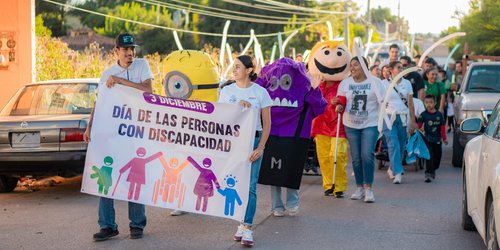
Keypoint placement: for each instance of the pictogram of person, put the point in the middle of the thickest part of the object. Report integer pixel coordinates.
(231, 195)
(103, 175)
(170, 184)
(137, 173)
(204, 188)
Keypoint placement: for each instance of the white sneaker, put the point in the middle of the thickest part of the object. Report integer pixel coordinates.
(177, 213)
(390, 173)
(369, 197)
(239, 233)
(397, 179)
(359, 194)
(278, 213)
(293, 211)
(247, 239)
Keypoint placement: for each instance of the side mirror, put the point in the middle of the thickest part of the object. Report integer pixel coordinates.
(472, 125)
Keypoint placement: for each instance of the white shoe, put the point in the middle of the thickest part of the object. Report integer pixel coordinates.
(293, 211)
(247, 239)
(390, 173)
(239, 233)
(177, 213)
(359, 194)
(369, 197)
(397, 179)
(278, 213)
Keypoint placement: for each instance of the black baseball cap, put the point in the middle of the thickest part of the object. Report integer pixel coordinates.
(125, 40)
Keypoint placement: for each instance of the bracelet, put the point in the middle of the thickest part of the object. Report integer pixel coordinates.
(262, 147)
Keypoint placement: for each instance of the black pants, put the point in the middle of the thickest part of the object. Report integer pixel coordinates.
(450, 122)
(435, 151)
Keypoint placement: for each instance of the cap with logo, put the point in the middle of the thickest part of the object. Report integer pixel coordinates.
(125, 40)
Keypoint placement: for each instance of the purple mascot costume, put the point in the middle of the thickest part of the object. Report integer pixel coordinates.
(296, 103)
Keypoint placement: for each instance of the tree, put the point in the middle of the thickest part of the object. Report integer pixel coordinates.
(379, 15)
(40, 29)
(53, 16)
(482, 27)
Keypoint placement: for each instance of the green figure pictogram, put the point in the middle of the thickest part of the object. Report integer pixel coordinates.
(103, 175)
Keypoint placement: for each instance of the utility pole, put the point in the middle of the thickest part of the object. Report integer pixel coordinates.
(346, 25)
(368, 21)
(399, 21)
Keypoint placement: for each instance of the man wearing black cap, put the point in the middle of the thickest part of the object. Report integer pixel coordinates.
(133, 73)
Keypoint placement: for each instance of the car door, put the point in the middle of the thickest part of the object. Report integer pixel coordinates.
(489, 159)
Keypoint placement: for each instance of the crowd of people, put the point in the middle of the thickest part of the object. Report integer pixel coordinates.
(356, 101)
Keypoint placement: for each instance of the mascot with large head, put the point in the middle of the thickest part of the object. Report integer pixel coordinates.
(192, 75)
(329, 61)
(296, 103)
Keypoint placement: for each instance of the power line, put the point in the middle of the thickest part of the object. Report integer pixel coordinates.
(267, 7)
(188, 5)
(176, 29)
(224, 16)
(285, 5)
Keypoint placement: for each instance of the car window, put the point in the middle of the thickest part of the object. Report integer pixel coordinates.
(55, 99)
(484, 78)
(24, 102)
(493, 127)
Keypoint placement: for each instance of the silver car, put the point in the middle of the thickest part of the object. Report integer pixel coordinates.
(477, 96)
(41, 130)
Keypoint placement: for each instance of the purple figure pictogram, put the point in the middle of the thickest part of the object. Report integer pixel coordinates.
(137, 173)
(204, 188)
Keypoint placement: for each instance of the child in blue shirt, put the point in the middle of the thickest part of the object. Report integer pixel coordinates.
(433, 126)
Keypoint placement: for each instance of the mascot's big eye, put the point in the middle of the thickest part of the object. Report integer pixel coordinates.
(177, 85)
(274, 83)
(327, 52)
(339, 53)
(286, 82)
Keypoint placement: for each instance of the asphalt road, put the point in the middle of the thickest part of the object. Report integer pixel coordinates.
(413, 215)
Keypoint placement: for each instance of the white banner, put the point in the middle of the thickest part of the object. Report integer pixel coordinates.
(171, 153)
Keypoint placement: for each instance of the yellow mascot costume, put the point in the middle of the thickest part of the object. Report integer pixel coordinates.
(330, 60)
(192, 75)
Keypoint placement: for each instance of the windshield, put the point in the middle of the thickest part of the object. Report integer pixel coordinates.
(484, 78)
(55, 99)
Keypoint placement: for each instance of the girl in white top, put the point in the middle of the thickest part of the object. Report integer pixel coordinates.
(358, 95)
(244, 92)
(401, 111)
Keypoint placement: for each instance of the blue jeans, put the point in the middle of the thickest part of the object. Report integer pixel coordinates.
(396, 142)
(292, 198)
(362, 147)
(254, 177)
(136, 214)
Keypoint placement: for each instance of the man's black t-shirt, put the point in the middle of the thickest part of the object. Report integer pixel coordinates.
(417, 82)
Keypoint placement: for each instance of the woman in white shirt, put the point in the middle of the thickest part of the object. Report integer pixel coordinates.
(361, 100)
(401, 113)
(245, 92)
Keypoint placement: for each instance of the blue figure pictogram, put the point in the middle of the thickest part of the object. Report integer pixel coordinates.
(103, 175)
(231, 195)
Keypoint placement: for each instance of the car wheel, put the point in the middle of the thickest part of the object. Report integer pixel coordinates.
(467, 222)
(491, 234)
(458, 150)
(7, 183)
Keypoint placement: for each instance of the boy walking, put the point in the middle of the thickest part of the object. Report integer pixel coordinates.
(432, 124)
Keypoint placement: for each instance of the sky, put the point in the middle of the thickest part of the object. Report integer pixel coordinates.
(424, 15)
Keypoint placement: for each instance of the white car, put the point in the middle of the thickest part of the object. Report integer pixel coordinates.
(481, 178)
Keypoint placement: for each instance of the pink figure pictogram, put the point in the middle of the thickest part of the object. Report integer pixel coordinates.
(204, 188)
(170, 185)
(137, 173)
